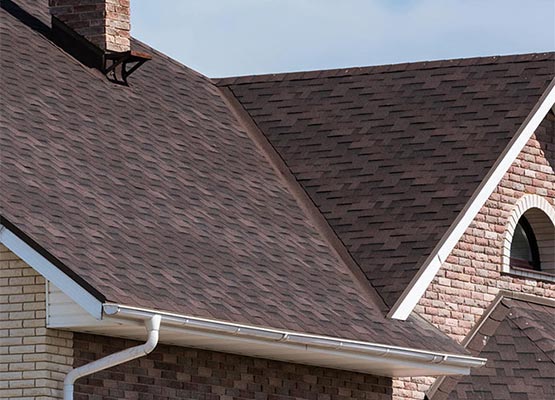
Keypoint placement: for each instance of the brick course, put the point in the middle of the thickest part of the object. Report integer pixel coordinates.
(171, 373)
(33, 359)
(471, 277)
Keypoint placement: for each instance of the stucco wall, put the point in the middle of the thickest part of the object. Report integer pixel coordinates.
(471, 277)
(33, 359)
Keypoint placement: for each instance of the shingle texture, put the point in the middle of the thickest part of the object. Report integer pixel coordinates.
(519, 342)
(391, 154)
(155, 196)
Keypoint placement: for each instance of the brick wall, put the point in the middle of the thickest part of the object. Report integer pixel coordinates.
(471, 276)
(171, 373)
(33, 359)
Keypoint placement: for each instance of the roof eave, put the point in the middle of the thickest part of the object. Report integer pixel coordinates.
(283, 345)
(113, 319)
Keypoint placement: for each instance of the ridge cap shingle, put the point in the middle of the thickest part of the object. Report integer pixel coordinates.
(381, 68)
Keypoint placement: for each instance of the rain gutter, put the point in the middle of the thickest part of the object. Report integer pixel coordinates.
(310, 343)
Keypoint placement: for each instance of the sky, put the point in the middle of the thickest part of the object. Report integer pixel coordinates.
(242, 37)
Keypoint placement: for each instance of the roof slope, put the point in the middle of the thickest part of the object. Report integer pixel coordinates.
(519, 343)
(154, 196)
(391, 154)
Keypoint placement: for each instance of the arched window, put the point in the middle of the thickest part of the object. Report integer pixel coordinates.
(529, 249)
(524, 247)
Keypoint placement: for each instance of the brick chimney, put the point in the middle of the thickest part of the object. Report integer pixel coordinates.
(104, 23)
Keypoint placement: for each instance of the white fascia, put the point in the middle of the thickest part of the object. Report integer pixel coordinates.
(50, 272)
(417, 287)
(434, 363)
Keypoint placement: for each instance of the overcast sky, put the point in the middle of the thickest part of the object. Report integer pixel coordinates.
(240, 37)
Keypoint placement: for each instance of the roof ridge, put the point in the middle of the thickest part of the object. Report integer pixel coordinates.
(381, 68)
(505, 309)
(514, 321)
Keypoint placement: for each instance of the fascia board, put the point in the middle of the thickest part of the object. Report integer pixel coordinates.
(417, 287)
(50, 272)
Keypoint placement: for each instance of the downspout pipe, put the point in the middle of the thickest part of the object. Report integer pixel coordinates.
(153, 328)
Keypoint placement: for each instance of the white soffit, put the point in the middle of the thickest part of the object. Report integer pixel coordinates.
(417, 287)
(50, 272)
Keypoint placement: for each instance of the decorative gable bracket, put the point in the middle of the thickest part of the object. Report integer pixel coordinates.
(119, 65)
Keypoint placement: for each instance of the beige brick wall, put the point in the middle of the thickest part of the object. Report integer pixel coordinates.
(471, 276)
(33, 359)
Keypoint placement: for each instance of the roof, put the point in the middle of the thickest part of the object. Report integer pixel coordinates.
(519, 343)
(154, 195)
(391, 154)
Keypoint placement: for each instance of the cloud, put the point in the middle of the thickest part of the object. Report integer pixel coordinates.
(223, 37)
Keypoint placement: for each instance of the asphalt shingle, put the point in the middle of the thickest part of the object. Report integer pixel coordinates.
(391, 154)
(519, 343)
(153, 195)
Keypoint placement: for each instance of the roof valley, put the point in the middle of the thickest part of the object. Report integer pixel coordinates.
(302, 198)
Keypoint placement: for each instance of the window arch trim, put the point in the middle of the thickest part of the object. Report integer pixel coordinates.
(526, 203)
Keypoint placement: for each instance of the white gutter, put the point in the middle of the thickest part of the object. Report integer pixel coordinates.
(450, 362)
(152, 325)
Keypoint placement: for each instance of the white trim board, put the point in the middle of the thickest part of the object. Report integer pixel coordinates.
(417, 287)
(50, 272)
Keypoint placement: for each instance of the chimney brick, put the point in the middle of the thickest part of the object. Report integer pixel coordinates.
(104, 23)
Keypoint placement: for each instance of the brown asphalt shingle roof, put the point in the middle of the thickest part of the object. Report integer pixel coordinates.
(153, 195)
(391, 154)
(519, 342)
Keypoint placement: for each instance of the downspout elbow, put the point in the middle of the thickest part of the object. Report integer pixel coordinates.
(153, 328)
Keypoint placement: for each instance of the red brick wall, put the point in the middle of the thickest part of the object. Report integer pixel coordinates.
(172, 373)
(471, 277)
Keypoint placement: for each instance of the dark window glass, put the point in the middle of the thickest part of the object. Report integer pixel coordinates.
(524, 248)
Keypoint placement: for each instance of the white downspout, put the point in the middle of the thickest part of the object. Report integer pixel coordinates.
(152, 326)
